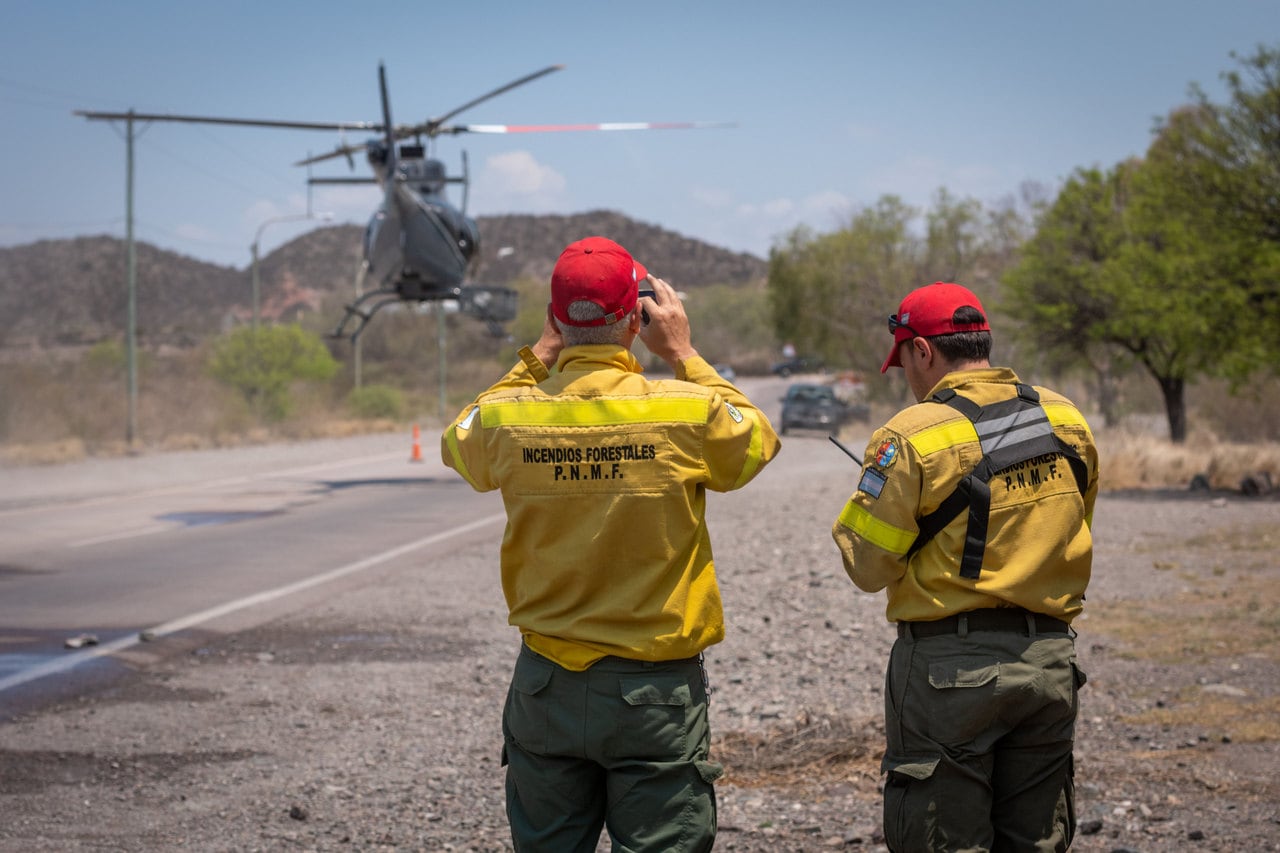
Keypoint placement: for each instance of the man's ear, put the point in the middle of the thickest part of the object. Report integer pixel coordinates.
(921, 349)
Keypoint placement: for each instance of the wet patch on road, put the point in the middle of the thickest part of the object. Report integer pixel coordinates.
(199, 518)
(397, 482)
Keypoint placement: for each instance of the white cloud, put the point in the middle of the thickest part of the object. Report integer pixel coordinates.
(347, 203)
(716, 199)
(826, 202)
(516, 182)
(198, 233)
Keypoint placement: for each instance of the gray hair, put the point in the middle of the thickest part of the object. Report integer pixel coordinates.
(609, 333)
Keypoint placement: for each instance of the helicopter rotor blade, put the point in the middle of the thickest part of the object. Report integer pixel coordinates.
(342, 180)
(431, 126)
(243, 122)
(386, 119)
(561, 128)
(347, 150)
(342, 151)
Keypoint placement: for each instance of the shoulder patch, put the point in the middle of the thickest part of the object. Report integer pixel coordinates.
(733, 412)
(887, 453)
(872, 482)
(465, 423)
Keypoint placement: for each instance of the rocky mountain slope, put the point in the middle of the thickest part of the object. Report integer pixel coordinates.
(73, 292)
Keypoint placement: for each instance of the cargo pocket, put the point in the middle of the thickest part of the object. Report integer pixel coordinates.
(525, 718)
(653, 721)
(907, 792)
(710, 771)
(962, 700)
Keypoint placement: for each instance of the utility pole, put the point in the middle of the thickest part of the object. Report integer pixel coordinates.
(131, 265)
(358, 360)
(441, 348)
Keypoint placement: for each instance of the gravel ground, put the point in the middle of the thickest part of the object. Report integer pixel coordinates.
(370, 719)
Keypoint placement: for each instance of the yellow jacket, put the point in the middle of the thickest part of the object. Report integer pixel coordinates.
(603, 473)
(1039, 547)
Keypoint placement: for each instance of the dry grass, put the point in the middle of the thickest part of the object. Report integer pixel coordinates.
(1228, 611)
(63, 412)
(1248, 719)
(809, 750)
(1196, 627)
(1137, 461)
(59, 411)
(1222, 613)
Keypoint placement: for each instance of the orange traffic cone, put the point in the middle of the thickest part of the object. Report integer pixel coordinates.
(416, 455)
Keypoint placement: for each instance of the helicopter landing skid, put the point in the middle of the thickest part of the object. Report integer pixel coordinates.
(380, 299)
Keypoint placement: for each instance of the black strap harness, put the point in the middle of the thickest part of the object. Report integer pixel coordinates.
(1009, 432)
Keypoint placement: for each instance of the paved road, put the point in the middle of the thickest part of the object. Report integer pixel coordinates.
(116, 552)
(131, 549)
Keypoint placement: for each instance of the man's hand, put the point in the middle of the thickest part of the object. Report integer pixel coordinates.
(667, 334)
(548, 347)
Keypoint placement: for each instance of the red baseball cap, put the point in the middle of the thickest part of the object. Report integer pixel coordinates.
(599, 271)
(930, 310)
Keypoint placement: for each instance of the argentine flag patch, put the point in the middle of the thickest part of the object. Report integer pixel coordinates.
(872, 482)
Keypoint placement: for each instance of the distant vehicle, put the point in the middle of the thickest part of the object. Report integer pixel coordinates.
(726, 371)
(817, 407)
(799, 364)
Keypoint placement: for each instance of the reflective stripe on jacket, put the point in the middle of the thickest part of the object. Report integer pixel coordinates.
(1039, 546)
(603, 474)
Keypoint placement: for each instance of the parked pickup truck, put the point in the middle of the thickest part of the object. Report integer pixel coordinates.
(817, 407)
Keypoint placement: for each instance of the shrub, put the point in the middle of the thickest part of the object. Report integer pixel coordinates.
(261, 364)
(374, 402)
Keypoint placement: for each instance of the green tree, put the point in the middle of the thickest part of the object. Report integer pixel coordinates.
(1114, 267)
(830, 293)
(1056, 288)
(1172, 259)
(1226, 159)
(263, 364)
(954, 237)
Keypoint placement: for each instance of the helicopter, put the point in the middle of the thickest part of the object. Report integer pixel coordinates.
(418, 246)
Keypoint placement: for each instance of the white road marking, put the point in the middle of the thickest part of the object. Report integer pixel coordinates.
(197, 485)
(184, 622)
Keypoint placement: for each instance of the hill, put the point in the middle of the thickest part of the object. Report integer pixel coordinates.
(59, 293)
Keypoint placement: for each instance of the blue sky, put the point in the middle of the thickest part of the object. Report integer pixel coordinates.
(836, 104)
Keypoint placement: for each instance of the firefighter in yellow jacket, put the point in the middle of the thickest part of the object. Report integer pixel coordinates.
(606, 560)
(973, 511)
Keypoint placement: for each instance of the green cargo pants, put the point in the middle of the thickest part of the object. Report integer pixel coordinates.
(622, 745)
(979, 731)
